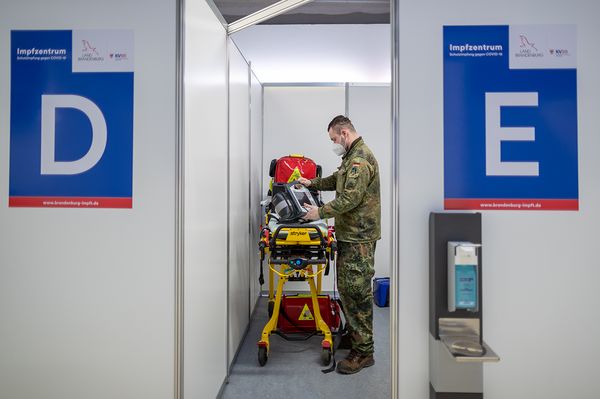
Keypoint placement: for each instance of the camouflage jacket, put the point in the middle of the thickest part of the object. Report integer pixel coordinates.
(357, 205)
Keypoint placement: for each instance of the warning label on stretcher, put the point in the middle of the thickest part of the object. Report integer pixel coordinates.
(306, 314)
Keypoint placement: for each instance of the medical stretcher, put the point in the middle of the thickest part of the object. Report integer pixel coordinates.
(296, 250)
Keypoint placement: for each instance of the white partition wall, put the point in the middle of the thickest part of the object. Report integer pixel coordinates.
(296, 121)
(205, 212)
(257, 192)
(540, 269)
(239, 197)
(369, 109)
(87, 295)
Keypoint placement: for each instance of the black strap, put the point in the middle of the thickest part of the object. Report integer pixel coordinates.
(338, 338)
(333, 366)
(261, 277)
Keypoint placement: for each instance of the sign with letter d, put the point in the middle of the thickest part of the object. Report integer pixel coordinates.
(71, 138)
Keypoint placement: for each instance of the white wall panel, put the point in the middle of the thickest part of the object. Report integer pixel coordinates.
(539, 304)
(296, 120)
(205, 261)
(87, 295)
(239, 198)
(256, 191)
(369, 108)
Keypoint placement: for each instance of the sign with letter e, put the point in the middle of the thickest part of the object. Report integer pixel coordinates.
(510, 117)
(71, 119)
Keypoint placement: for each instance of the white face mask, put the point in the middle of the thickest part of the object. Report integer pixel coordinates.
(339, 148)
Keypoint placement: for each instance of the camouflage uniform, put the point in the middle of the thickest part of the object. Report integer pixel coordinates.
(357, 212)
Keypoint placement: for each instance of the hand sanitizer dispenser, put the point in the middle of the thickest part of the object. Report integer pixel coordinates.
(463, 272)
(457, 350)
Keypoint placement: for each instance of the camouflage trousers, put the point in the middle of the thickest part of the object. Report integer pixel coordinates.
(355, 269)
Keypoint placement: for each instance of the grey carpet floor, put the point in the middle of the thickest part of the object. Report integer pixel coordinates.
(294, 369)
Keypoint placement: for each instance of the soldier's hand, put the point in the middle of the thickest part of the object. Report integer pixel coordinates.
(305, 182)
(313, 212)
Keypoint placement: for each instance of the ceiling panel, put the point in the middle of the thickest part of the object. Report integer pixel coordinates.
(316, 12)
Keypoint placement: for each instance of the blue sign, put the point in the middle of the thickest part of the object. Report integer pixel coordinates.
(510, 118)
(71, 137)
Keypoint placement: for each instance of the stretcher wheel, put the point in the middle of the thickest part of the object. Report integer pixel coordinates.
(262, 355)
(270, 307)
(326, 357)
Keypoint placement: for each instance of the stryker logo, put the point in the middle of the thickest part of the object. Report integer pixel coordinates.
(41, 51)
(49, 164)
(477, 47)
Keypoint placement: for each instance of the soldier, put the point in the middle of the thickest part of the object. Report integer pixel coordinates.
(357, 212)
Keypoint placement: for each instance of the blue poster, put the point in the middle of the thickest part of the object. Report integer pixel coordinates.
(510, 117)
(71, 126)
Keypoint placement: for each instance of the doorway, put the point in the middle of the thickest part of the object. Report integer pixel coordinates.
(275, 89)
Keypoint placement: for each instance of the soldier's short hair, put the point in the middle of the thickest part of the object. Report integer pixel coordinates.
(340, 122)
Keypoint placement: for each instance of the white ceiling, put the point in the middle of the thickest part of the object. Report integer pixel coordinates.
(315, 12)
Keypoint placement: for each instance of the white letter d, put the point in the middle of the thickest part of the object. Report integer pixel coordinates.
(49, 165)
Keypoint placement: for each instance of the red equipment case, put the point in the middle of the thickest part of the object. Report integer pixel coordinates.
(294, 318)
(281, 169)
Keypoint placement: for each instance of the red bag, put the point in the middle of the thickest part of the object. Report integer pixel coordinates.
(297, 315)
(281, 169)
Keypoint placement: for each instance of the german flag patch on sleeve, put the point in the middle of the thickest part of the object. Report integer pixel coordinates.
(354, 169)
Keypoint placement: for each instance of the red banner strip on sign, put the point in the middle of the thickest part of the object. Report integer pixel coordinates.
(69, 202)
(512, 204)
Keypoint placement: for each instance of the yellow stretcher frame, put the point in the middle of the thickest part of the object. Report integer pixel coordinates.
(297, 237)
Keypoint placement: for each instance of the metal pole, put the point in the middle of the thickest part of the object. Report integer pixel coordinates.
(251, 183)
(179, 199)
(228, 338)
(395, 269)
(347, 100)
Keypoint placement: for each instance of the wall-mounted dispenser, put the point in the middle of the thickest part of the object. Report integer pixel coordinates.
(456, 347)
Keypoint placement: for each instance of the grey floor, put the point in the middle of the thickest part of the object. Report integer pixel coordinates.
(294, 369)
